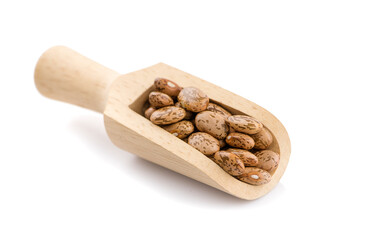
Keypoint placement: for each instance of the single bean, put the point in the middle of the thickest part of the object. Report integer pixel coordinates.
(212, 123)
(218, 109)
(268, 160)
(180, 129)
(149, 111)
(204, 143)
(158, 99)
(263, 139)
(229, 162)
(255, 176)
(193, 99)
(244, 124)
(167, 86)
(240, 140)
(167, 115)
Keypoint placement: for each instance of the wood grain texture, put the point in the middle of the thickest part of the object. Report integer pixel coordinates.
(123, 99)
(66, 75)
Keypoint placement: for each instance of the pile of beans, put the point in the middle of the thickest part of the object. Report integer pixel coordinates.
(237, 143)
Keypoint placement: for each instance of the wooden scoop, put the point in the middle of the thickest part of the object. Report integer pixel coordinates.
(65, 75)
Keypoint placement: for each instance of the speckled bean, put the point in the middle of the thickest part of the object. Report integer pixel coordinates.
(167, 115)
(263, 139)
(167, 86)
(240, 140)
(212, 123)
(149, 112)
(229, 162)
(158, 99)
(180, 129)
(193, 99)
(204, 143)
(218, 109)
(248, 158)
(255, 176)
(268, 160)
(244, 124)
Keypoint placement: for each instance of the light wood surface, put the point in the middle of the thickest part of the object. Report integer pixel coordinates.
(65, 75)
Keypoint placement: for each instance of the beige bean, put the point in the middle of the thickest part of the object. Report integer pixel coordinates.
(167, 115)
(229, 162)
(158, 99)
(255, 176)
(240, 140)
(212, 123)
(149, 111)
(193, 99)
(218, 109)
(263, 139)
(248, 158)
(244, 124)
(204, 143)
(268, 160)
(180, 129)
(167, 86)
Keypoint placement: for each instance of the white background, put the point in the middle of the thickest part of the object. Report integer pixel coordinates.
(311, 63)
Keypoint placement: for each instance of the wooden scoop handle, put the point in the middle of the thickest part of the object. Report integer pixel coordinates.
(66, 75)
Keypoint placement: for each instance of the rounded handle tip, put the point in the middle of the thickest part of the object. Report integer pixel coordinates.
(66, 75)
